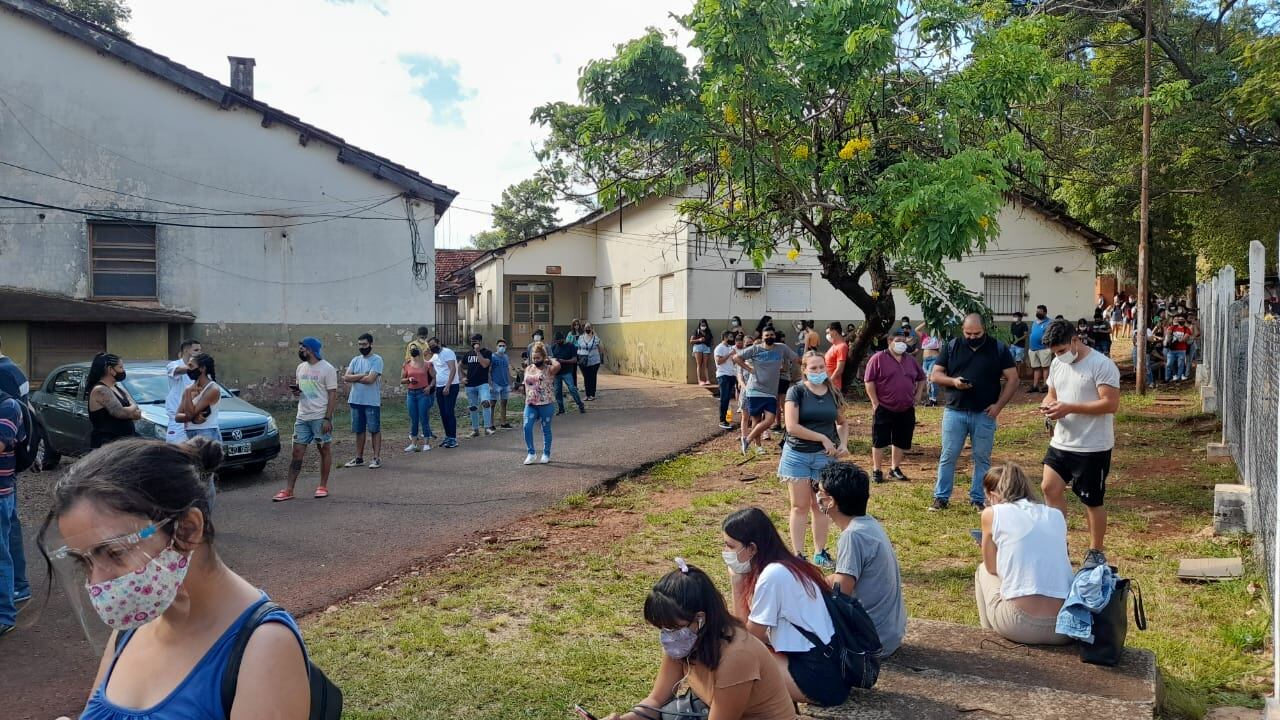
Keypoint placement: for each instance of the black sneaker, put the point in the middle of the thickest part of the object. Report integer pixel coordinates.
(939, 504)
(505, 426)
(979, 506)
(560, 411)
(582, 409)
(726, 426)
(897, 474)
(877, 476)
(1093, 559)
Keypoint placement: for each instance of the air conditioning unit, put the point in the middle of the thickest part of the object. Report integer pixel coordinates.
(750, 280)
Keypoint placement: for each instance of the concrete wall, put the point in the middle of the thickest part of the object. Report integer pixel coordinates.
(652, 348)
(144, 341)
(15, 343)
(110, 125)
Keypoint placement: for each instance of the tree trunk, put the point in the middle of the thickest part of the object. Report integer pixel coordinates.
(877, 306)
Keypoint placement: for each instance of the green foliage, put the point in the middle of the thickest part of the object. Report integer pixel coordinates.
(527, 209)
(109, 14)
(489, 239)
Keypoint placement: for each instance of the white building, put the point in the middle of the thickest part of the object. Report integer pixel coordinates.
(644, 281)
(144, 201)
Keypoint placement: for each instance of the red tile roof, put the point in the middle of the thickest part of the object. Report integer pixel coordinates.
(447, 261)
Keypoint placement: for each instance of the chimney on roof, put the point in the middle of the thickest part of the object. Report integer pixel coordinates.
(242, 74)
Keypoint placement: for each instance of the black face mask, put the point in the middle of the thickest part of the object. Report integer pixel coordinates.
(366, 350)
(194, 373)
(434, 348)
(770, 341)
(539, 363)
(975, 343)
(120, 376)
(302, 356)
(1041, 316)
(415, 352)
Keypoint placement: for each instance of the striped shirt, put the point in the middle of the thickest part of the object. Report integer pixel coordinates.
(11, 430)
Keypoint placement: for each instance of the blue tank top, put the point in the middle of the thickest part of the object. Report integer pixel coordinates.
(199, 695)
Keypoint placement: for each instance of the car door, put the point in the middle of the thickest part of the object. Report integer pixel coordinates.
(66, 414)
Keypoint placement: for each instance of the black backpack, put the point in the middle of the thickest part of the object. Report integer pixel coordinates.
(855, 644)
(326, 698)
(28, 435)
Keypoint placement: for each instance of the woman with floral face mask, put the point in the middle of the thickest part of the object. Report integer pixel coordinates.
(707, 651)
(134, 533)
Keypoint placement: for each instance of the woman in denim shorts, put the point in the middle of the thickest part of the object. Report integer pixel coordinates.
(816, 434)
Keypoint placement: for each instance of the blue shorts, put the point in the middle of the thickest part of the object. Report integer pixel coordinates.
(500, 392)
(796, 465)
(1019, 353)
(306, 432)
(758, 406)
(701, 348)
(366, 418)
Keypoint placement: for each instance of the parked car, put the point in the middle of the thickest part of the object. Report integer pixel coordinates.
(249, 435)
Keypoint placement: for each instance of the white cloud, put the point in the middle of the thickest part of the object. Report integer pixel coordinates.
(339, 64)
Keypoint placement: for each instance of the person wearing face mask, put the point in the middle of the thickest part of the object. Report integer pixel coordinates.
(141, 509)
(590, 357)
(316, 385)
(528, 350)
(1083, 396)
(726, 667)
(701, 341)
(971, 368)
(418, 376)
(931, 347)
(364, 374)
(816, 434)
(779, 597)
(500, 383)
(539, 400)
(176, 372)
(199, 406)
(479, 364)
(766, 360)
(421, 340)
(891, 379)
(837, 355)
(726, 377)
(448, 386)
(866, 564)
(112, 410)
(1038, 354)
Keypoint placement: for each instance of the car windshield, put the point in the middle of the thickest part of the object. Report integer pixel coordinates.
(151, 387)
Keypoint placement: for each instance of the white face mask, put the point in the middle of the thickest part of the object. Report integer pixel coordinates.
(1068, 357)
(900, 348)
(738, 567)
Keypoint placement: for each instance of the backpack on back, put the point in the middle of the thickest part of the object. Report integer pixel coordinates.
(29, 434)
(855, 646)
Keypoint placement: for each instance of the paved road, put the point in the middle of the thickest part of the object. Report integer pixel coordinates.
(309, 553)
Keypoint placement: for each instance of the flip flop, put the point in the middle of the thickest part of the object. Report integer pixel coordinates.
(282, 496)
(322, 493)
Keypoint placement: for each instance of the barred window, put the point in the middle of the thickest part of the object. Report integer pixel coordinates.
(1004, 294)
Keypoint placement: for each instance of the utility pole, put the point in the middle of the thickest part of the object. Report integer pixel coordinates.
(1144, 209)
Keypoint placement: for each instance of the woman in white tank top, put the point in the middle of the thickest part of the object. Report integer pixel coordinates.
(1025, 574)
(199, 405)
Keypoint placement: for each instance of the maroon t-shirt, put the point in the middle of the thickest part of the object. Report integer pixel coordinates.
(895, 379)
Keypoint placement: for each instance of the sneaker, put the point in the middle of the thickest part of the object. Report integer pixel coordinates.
(474, 433)
(411, 448)
(582, 409)
(21, 599)
(505, 426)
(6, 629)
(760, 451)
(546, 458)
(1093, 559)
(979, 506)
(528, 459)
(823, 559)
(560, 411)
(766, 436)
(377, 463)
(897, 474)
(354, 462)
(743, 443)
(933, 402)
(489, 431)
(877, 476)
(449, 443)
(725, 426)
(426, 447)
(939, 504)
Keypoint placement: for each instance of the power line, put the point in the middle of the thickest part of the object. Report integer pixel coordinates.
(168, 223)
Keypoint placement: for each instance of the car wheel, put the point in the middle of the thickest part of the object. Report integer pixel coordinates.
(46, 457)
(255, 468)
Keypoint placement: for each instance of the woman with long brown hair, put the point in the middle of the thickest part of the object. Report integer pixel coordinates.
(111, 407)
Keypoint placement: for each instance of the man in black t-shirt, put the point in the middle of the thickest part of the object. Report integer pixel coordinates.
(971, 368)
(567, 355)
(479, 396)
(1019, 330)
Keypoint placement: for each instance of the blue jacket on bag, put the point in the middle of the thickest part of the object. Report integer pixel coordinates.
(1090, 592)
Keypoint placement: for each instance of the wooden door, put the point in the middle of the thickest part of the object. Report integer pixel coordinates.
(530, 310)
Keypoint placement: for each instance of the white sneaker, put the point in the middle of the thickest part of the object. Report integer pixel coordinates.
(767, 436)
(489, 431)
(528, 459)
(544, 459)
(426, 447)
(413, 447)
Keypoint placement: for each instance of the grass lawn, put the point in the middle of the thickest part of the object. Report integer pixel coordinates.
(547, 612)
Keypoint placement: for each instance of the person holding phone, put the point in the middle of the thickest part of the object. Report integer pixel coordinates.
(316, 385)
(418, 376)
(816, 434)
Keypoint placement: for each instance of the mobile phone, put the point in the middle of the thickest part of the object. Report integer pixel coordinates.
(582, 713)
(976, 535)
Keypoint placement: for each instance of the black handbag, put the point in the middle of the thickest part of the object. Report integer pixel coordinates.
(1111, 625)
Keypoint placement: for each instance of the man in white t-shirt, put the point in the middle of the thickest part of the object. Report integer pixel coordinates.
(1083, 396)
(316, 386)
(448, 385)
(176, 371)
(726, 376)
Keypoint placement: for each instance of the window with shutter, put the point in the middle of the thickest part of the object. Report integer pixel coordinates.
(122, 258)
(624, 300)
(606, 294)
(789, 292)
(667, 293)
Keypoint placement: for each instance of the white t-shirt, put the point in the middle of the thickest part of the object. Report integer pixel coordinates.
(441, 362)
(781, 601)
(724, 361)
(177, 384)
(315, 382)
(1031, 550)
(1078, 383)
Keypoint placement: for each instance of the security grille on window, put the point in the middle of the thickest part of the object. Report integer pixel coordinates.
(789, 292)
(1004, 294)
(122, 258)
(607, 294)
(667, 293)
(624, 300)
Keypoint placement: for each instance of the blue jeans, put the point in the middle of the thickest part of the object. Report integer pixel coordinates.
(447, 397)
(1150, 378)
(419, 403)
(13, 562)
(542, 414)
(563, 381)
(728, 386)
(480, 406)
(928, 370)
(1175, 364)
(957, 425)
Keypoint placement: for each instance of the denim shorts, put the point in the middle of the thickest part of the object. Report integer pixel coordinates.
(500, 392)
(796, 465)
(306, 432)
(366, 418)
(701, 348)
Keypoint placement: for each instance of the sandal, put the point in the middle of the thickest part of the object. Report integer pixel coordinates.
(322, 493)
(282, 496)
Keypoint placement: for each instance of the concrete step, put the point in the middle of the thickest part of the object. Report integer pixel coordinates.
(944, 670)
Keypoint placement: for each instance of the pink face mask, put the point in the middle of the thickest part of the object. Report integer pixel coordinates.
(137, 598)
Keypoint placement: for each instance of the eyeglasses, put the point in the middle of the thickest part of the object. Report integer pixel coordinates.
(119, 551)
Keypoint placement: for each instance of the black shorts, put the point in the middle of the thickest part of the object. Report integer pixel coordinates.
(783, 385)
(818, 677)
(893, 428)
(1085, 472)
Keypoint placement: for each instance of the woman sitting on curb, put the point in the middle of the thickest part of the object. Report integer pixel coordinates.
(710, 650)
(780, 598)
(1025, 574)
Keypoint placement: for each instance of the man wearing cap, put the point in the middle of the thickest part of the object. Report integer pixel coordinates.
(316, 385)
